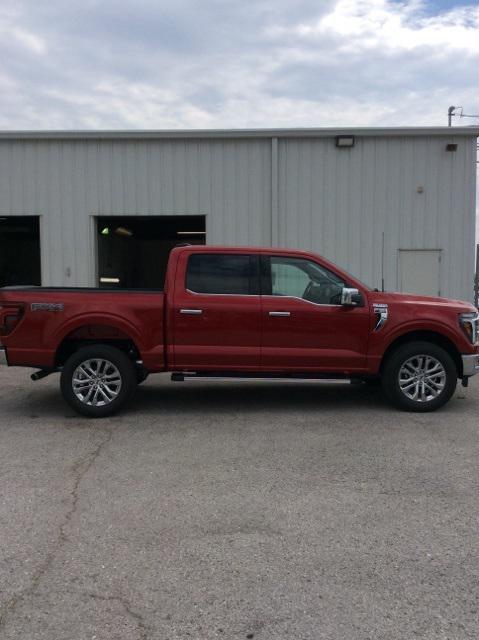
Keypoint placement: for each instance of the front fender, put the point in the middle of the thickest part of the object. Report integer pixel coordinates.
(382, 340)
(432, 326)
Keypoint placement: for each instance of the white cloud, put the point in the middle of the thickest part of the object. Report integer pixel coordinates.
(382, 25)
(16, 38)
(154, 64)
(29, 40)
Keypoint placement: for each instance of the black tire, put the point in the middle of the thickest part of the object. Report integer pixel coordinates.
(372, 382)
(141, 375)
(120, 376)
(443, 383)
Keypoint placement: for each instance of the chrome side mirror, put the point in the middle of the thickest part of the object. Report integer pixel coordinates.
(350, 297)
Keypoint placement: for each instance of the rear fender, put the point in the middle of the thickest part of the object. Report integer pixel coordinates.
(108, 322)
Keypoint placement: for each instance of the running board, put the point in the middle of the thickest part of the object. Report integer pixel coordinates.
(183, 377)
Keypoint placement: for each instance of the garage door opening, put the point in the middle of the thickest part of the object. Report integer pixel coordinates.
(133, 251)
(19, 251)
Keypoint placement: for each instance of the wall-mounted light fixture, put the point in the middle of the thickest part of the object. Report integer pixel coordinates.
(191, 233)
(451, 147)
(345, 141)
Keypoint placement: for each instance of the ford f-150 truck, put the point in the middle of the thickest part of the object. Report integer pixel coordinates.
(240, 312)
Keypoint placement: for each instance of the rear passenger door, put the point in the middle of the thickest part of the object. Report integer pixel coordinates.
(216, 312)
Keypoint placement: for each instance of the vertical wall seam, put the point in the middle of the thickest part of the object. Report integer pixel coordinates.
(274, 193)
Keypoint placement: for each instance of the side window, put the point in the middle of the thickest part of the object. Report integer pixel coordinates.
(218, 273)
(304, 279)
(288, 279)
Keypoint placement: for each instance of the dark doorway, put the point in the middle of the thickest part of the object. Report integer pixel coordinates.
(19, 251)
(133, 250)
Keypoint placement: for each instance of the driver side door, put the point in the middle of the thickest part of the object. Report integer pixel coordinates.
(304, 326)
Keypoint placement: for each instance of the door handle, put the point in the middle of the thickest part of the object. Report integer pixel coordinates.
(191, 312)
(279, 314)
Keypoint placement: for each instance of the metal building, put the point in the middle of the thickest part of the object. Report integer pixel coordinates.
(393, 206)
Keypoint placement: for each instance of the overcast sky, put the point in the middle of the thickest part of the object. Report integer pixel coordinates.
(236, 63)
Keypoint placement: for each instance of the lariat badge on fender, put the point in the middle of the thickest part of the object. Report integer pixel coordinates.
(381, 311)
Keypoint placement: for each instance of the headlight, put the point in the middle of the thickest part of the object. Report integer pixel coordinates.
(469, 323)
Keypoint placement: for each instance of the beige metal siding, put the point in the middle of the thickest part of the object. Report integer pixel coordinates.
(67, 182)
(339, 202)
(292, 191)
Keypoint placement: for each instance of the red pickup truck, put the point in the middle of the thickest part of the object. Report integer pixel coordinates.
(240, 312)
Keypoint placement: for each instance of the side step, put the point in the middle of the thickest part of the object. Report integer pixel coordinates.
(273, 377)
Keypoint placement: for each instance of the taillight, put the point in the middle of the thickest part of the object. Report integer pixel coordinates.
(10, 316)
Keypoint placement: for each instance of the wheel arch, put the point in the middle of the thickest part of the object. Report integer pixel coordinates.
(96, 333)
(435, 337)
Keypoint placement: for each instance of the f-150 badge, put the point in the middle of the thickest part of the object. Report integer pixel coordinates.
(47, 306)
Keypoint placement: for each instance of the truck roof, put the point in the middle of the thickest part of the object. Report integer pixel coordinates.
(208, 248)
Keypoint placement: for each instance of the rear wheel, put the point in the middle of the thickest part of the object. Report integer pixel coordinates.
(419, 376)
(98, 380)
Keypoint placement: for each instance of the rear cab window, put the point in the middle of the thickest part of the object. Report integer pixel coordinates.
(223, 274)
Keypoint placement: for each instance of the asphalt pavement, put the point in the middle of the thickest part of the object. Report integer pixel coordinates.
(230, 510)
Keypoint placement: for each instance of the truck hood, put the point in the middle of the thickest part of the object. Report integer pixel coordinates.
(428, 301)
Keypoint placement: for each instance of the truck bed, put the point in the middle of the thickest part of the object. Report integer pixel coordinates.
(51, 316)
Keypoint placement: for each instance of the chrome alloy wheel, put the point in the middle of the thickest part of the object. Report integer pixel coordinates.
(422, 378)
(96, 382)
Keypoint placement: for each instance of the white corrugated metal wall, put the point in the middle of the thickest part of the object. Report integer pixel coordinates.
(69, 182)
(296, 191)
(340, 202)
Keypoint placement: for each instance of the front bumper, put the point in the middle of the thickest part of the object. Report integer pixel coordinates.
(3, 357)
(470, 365)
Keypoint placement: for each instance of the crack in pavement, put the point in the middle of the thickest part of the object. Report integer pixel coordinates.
(79, 471)
(142, 627)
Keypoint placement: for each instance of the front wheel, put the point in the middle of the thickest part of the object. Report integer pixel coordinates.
(419, 376)
(98, 380)
(141, 375)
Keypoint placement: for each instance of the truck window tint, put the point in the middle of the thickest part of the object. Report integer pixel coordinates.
(305, 279)
(222, 274)
(288, 280)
